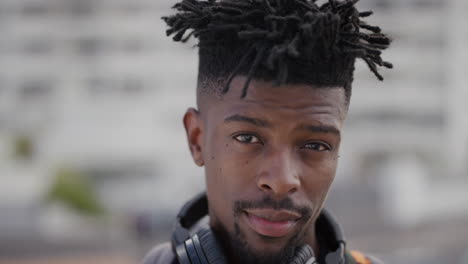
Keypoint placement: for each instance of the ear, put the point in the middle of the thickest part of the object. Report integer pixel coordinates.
(194, 129)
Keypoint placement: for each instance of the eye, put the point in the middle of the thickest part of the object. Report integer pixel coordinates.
(247, 138)
(317, 146)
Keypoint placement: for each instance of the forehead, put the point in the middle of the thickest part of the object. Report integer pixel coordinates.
(287, 101)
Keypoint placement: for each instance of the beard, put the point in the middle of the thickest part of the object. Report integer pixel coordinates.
(247, 255)
(237, 246)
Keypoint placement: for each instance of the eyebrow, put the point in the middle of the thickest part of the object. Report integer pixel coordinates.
(263, 123)
(321, 129)
(251, 120)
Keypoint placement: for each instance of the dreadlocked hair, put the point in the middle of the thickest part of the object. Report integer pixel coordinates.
(284, 41)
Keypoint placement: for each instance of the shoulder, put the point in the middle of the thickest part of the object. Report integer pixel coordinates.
(160, 254)
(360, 258)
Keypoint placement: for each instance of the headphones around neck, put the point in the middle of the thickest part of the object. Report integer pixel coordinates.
(203, 246)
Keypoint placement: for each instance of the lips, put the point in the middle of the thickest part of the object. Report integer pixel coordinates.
(272, 223)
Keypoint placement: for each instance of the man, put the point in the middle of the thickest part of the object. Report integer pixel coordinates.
(274, 85)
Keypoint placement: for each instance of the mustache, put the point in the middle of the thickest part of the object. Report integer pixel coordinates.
(267, 202)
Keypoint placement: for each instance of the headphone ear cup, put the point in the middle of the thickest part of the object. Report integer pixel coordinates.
(304, 255)
(210, 246)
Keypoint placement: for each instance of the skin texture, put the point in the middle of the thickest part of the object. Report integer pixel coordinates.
(275, 149)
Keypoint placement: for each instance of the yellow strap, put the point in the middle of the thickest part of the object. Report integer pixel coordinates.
(359, 257)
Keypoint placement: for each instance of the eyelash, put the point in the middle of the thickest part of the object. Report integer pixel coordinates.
(235, 137)
(319, 144)
(323, 145)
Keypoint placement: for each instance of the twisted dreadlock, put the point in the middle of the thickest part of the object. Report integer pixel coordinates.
(286, 41)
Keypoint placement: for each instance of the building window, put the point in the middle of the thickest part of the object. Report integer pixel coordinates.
(32, 90)
(133, 46)
(80, 7)
(132, 86)
(383, 4)
(2, 87)
(428, 4)
(97, 86)
(132, 8)
(121, 86)
(89, 46)
(37, 47)
(35, 9)
(106, 172)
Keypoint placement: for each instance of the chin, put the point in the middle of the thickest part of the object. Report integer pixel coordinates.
(270, 245)
(257, 248)
(267, 254)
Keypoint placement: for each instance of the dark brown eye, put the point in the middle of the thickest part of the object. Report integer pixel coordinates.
(246, 138)
(317, 146)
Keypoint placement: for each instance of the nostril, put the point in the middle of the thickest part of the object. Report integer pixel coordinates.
(293, 190)
(266, 187)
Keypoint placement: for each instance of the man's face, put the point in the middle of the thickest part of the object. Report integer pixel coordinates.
(269, 159)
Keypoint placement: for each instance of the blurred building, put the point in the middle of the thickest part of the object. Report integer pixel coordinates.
(416, 119)
(95, 86)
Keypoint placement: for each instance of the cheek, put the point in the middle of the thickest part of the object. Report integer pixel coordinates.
(221, 174)
(218, 166)
(228, 165)
(317, 181)
(218, 190)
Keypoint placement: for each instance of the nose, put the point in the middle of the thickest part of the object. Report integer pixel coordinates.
(279, 174)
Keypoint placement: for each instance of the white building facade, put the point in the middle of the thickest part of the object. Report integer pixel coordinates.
(97, 87)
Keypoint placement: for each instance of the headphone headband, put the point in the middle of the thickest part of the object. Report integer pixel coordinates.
(189, 215)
